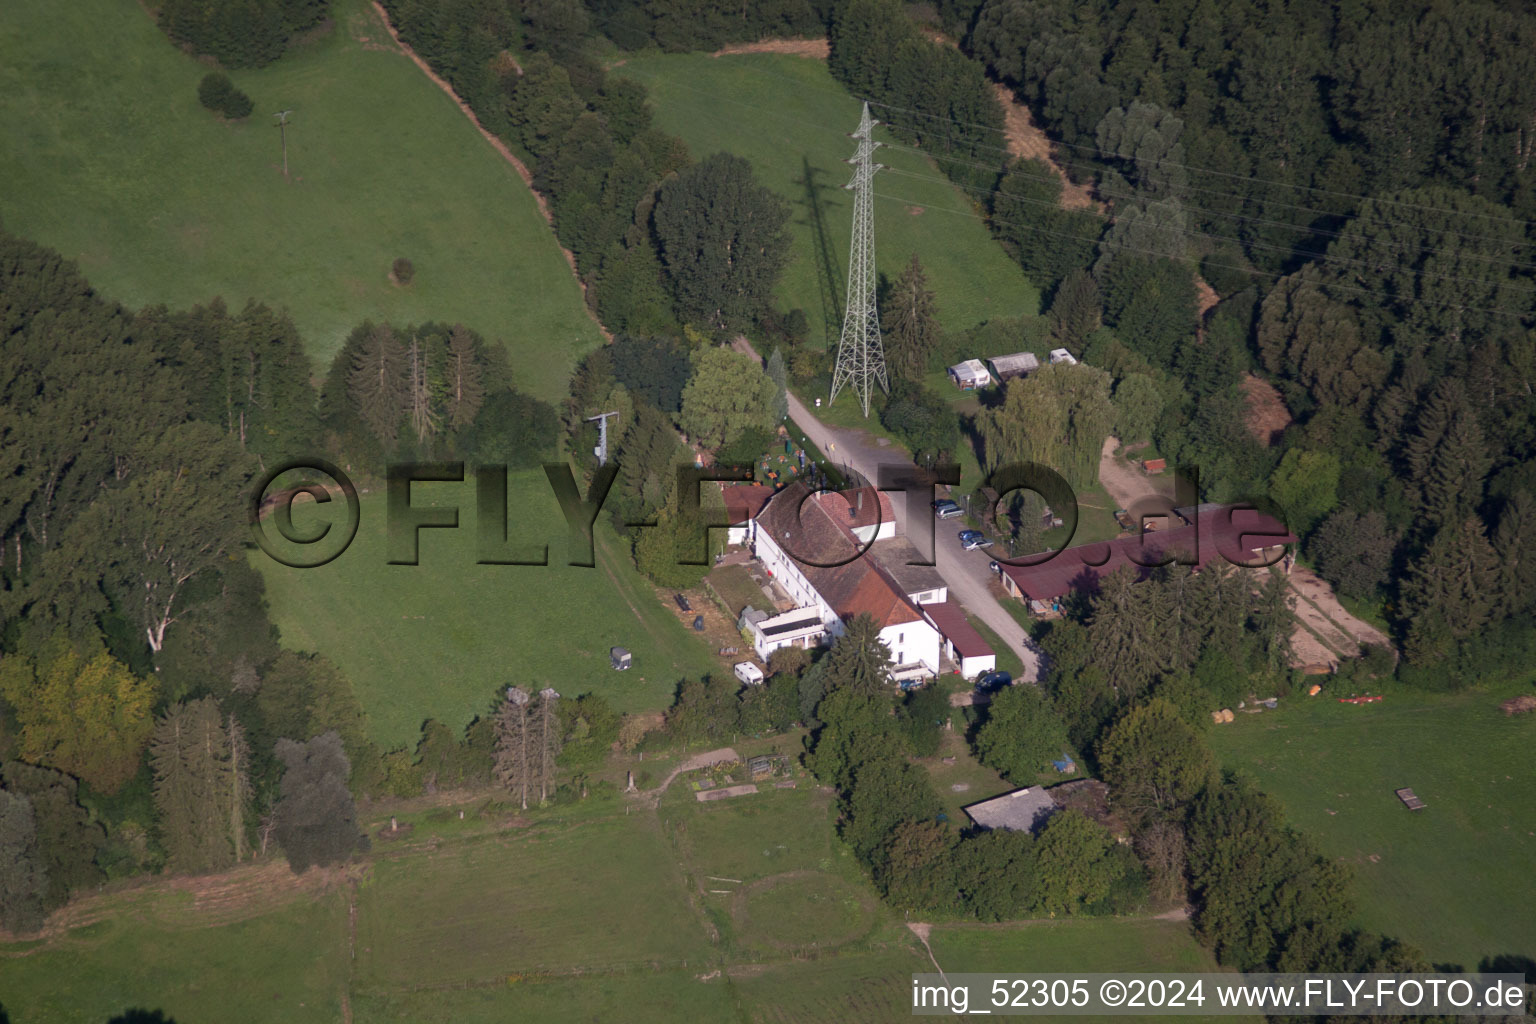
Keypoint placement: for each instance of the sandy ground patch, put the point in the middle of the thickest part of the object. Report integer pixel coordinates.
(815, 49)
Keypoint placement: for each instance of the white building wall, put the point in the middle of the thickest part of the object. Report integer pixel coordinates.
(913, 642)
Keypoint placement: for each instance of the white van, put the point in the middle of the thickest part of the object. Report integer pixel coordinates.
(748, 673)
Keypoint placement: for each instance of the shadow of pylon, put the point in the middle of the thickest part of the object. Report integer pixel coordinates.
(829, 280)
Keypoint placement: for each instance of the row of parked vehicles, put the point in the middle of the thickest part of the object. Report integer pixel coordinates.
(970, 540)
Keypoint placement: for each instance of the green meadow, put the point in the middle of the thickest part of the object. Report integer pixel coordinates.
(110, 159)
(791, 120)
(439, 639)
(746, 909)
(1453, 879)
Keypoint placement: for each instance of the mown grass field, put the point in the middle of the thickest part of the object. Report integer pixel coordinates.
(478, 911)
(287, 964)
(1132, 945)
(597, 910)
(438, 639)
(1452, 879)
(787, 115)
(110, 159)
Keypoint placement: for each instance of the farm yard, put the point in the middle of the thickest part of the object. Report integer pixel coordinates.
(440, 638)
(789, 117)
(1441, 878)
(112, 161)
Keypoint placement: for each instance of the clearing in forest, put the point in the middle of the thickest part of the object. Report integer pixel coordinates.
(791, 119)
(1440, 879)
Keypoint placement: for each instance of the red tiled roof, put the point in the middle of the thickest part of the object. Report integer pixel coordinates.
(813, 533)
(951, 622)
(864, 501)
(744, 502)
(1235, 537)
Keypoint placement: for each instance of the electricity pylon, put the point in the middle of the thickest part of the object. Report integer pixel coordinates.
(860, 355)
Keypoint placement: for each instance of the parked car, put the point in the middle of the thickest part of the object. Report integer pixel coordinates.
(946, 509)
(973, 539)
(991, 682)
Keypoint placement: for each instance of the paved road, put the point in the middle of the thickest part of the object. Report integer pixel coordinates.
(965, 572)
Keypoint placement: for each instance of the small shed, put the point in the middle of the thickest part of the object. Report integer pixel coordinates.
(1061, 355)
(1152, 467)
(1016, 365)
(619, 657)
(970, 375)
(760, 767)
(1023, 810)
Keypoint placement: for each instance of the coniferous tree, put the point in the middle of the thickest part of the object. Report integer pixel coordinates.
(377, 383)
(1515, 543)
(466, 385)
(1128, 634)
(424, 420)
(24, 882)
(516, 754)
(194, 787)
(1450, 591)
(240, 794)
(1076, 311)
(548, 737)
(859, 660)
(911, 323)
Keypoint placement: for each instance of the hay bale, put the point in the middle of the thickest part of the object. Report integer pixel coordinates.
(1519, 705)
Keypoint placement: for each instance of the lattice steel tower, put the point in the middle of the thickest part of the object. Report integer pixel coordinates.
(860, 355)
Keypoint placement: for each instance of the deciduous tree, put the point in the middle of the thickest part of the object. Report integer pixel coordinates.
(728, 394)
(1021, 734)
(316, 816)
(82, 714)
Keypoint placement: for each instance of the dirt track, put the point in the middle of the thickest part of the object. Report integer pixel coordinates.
(815, 49)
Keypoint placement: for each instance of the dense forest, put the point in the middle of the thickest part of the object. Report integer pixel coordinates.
(241, 34)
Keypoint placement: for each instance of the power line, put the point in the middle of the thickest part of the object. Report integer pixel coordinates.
(1307, 253)
(1100, 189)
(860, 354)
(1320, 257)
(1125, 247)
(1206, 170)
(1096, 153)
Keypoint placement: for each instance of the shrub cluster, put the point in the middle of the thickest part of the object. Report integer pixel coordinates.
(217, 93)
